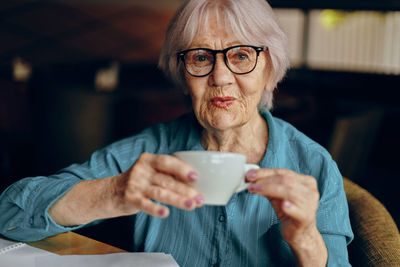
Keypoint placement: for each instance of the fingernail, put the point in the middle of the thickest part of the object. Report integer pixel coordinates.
(287, 204)
(161, 212)
(250, 175)
(255, 187)
(188, 203)
(193, 176)
(199, 199)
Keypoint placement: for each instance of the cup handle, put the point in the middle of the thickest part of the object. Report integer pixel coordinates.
(243, 184)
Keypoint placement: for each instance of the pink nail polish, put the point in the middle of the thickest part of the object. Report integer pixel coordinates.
(255, 187)
(188, 203)
(287, 204)
(161, 212)
(193, 176)
(251, 174)
(199, 199)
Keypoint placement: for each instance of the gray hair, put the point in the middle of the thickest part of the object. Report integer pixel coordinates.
(253, 22)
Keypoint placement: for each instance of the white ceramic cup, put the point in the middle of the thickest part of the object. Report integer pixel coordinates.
(221, 174)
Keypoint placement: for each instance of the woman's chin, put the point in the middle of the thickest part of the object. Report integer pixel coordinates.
(222, 122)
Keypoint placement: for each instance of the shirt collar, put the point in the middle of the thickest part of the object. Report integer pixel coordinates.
(270, 157)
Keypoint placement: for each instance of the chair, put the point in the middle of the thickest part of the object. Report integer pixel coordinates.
(376, 236)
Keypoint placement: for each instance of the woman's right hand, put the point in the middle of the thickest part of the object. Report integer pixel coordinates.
(161, 178)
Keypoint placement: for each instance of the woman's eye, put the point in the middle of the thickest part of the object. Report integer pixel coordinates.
(201, 58)
(242, 57)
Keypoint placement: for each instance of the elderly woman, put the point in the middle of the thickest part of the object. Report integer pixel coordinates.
(228, 56)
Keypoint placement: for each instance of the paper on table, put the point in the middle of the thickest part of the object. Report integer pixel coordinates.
(109, 260)
(4, 244)
(17, 254)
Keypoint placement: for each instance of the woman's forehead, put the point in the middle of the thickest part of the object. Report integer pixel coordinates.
(214, 27)
(213, 33)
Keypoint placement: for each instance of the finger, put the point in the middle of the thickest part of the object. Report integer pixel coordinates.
(296, 213)
(149, 207)
(175, 167)
(296, 203)
(184, 190)
(283, 176)
(262, 173)
(277, 203)
(286, 209)
(168, 197)
(168, 182)
(256, 175)
(251, 175)
(297, 193)
(288, 176)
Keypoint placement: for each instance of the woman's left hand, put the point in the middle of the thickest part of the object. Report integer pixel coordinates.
(295, 199)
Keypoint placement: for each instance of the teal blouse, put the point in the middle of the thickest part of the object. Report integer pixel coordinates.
(245, 232)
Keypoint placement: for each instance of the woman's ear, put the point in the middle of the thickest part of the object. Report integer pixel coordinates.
(269, 72)
(268, 86)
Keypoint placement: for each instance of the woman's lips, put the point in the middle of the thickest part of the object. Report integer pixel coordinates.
(222, 102)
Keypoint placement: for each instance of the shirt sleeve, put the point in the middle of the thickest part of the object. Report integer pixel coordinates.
(333, 214)
(24, 205)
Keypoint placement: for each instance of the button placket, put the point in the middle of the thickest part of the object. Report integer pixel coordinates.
(230, 210)
(211, 263)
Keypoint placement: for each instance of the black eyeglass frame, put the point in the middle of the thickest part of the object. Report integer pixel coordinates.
(181, 56)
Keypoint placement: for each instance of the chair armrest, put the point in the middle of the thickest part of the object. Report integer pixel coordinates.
(376, 236)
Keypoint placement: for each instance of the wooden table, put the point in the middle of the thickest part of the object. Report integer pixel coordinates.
(72, 243)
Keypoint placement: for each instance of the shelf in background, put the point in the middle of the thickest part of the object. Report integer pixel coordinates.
(376, 88)
(383, 5)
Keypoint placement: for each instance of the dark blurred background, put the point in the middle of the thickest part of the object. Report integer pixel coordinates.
(77, 75)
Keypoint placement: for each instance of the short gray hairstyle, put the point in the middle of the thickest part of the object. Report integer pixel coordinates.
(252, 21)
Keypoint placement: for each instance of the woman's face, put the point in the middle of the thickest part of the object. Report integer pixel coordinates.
(223, 100)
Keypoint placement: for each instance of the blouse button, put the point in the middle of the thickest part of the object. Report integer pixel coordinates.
(221, 218)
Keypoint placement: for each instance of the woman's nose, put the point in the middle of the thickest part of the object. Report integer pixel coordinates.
(221, 75)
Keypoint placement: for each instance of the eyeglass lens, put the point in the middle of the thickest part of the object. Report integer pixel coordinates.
(240, 60)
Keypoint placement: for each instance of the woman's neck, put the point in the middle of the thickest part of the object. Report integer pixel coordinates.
(250, 139)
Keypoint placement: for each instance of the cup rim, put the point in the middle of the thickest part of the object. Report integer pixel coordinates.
(208, 152)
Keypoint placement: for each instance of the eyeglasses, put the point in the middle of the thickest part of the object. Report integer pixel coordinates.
(240, 59)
